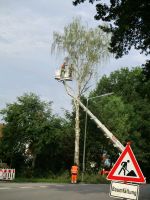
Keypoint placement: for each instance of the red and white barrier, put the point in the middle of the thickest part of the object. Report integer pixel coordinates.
(7, 174)
(103, 171)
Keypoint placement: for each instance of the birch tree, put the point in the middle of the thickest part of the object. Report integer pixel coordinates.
(86, 49)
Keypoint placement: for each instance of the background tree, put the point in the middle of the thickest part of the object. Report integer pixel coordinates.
(113, 112)
(56, 156)
(26, 120)
(85, 48)
(127, 112)
(128, 22)
(34, 140)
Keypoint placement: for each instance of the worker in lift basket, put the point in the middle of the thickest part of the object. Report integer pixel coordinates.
(74, 173)
(63, 70)
(63, 67)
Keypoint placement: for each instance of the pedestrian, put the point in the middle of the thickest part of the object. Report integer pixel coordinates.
(74, 173)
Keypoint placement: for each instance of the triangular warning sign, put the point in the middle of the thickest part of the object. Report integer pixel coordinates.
(126, 168)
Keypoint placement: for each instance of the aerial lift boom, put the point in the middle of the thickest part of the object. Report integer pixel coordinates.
(107, 133)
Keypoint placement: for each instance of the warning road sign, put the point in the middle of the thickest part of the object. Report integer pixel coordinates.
(126, 168)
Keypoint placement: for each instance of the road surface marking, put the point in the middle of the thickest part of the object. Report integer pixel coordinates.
(26, 187)
(59, 185)
(43, 186)
(5, 188)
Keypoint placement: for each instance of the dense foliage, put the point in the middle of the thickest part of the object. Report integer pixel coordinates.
(35, 141)
(126, 113)
(128, 21)
(38, 143)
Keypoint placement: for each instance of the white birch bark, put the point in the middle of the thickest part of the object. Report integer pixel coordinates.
(77, 133)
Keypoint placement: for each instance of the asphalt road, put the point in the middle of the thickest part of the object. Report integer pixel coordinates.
(41, 191)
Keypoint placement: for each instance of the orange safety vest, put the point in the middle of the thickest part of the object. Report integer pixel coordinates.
(74, 169)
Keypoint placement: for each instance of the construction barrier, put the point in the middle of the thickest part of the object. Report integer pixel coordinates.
(103, 171)
(7, 174)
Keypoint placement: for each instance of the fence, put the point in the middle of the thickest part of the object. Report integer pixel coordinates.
(7, 174)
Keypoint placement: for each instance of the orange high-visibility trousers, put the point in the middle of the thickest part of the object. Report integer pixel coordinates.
(74, 174)
(73, 178)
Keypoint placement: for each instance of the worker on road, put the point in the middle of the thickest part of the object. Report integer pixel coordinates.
(74, 173)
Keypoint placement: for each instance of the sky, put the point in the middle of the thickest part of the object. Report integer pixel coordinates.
(26, 63)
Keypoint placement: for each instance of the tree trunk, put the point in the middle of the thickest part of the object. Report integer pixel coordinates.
(33, 161)
(77, 133)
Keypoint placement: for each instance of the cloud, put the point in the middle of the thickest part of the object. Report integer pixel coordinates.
(23, 35)
(28, 25)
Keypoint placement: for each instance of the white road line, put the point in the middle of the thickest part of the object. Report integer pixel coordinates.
(59, 185)
(43, 186)
(26, 187)
(5, 188)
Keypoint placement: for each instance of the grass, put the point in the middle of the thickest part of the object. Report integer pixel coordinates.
(65, 178)
(94, 179)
